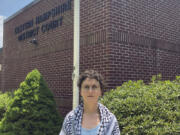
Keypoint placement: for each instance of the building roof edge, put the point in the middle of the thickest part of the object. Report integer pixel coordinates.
(21, 10)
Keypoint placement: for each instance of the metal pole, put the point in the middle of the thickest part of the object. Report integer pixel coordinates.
(76, 52)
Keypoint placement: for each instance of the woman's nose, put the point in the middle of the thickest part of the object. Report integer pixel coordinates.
(90, 89)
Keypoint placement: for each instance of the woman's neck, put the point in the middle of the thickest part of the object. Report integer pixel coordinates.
(91, 108)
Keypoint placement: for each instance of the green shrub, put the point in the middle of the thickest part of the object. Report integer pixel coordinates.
(141, 109)
(32, 110)
(4, 102)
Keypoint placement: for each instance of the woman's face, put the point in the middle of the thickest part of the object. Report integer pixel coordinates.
(90, 90)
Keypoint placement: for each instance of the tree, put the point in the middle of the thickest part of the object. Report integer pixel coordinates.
(32, 110)
(5, 99)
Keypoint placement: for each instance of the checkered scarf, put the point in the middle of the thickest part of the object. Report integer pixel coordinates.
(108, 125)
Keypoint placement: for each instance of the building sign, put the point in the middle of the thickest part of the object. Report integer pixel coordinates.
(24, 31)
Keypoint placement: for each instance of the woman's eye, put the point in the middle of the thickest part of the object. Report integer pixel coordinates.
(94, 87)
(86, 87)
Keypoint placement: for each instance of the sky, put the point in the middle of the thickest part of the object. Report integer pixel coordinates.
(8, 8)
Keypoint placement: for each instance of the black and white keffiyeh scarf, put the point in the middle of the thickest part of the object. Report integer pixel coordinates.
(72, 122)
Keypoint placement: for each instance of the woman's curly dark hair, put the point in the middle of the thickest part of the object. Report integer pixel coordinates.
(92, 74)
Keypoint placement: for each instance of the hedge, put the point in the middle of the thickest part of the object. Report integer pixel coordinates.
(146, 109)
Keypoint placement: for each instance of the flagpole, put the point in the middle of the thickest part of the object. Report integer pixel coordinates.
(76, 52)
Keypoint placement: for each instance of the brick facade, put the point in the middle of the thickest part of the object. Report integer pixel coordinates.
(1, 58)
(123, 40)
(144, 40)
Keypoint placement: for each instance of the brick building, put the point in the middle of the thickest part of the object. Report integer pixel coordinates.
(0, 65)
(123, 40)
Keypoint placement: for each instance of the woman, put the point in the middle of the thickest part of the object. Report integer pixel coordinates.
(90, 117)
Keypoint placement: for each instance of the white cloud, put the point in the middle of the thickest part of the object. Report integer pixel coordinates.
(1, 30)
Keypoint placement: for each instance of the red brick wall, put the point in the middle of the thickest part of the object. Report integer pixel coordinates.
(52, 56)
(94, 35)
(123, 40)
(151, 18)
(1, 60)
(144, 40)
